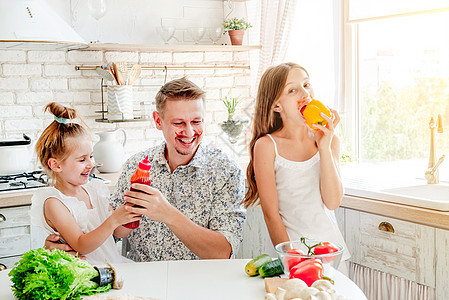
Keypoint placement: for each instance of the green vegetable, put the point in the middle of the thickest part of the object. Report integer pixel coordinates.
(252, 267)
(271, 268)
(45, 274)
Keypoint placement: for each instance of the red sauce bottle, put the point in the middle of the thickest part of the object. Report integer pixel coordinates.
(142, 175)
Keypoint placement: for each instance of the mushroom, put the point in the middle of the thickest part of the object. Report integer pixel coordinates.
(293, 283)
(280, 293)
(335, 296)
(270, 296)
(293, 292)
(321, 295)
(307, 292)
(322, 285)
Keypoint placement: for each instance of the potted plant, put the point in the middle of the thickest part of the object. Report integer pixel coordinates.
(236, 29)
(231, 126)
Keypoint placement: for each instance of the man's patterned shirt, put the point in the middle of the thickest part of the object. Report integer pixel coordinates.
(208, 190)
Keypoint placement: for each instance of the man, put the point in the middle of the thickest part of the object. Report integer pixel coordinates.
(192, 208)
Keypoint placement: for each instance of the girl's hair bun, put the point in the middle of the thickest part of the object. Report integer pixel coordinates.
(60, 111)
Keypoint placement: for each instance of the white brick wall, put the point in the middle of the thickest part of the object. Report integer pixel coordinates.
(31, 79)
(12, 56)
(47, 56)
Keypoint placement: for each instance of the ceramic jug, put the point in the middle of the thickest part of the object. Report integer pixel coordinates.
(109, 152)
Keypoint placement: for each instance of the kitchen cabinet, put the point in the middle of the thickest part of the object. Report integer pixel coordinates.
(15, 234)
(420, 242)
(442, 263)
(393, 246)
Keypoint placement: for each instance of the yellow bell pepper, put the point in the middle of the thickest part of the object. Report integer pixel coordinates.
(312, 111)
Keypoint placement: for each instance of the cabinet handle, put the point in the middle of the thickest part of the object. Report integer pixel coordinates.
(2, 267)
(385, 226)
(2, 218)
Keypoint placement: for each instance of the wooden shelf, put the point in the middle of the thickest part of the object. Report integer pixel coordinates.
(169, 48)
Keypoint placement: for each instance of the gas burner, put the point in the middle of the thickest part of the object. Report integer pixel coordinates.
(25, 180)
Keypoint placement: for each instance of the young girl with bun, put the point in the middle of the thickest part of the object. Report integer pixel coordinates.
(74, 207)
(294, 169)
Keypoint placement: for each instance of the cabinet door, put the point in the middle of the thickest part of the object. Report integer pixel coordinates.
(9, 262)
(14, 231)
(442, 263)
(407, 251)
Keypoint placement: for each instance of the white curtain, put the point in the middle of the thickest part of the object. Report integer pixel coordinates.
(382, 286)
(315, 43)
(272, 21)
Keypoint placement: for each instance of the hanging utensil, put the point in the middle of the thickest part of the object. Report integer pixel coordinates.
(113, 75)
(118, 75)
(134, 73)
(123, 68)
(105, 74)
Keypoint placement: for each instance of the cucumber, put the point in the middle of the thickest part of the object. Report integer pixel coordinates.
(271, 268)
(252, 267)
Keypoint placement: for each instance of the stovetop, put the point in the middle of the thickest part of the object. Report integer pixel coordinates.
(27, 180)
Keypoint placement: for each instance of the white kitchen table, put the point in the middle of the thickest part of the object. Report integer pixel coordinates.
(200, 279)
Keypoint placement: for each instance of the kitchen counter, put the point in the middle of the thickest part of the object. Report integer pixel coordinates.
(200, 279)
(23, 197)
(429, 217)
(366, 186)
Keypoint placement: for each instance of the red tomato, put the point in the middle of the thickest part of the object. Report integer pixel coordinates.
(324, 248)
(293, 261)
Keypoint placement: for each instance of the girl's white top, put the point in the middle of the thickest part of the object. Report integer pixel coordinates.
(300, 205)
(87, 219)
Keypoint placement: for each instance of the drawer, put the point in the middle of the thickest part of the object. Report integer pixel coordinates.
(9, 262)
(14, 216)
(14, 241)
(392, 246)
(15, 237)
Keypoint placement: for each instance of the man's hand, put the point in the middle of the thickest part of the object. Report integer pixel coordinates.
(155, 207)
(153, 203)
(53, 242)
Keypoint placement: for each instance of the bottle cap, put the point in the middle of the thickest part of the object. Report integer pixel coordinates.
(145, 164)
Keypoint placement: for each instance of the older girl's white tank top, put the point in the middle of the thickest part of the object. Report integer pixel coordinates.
(300, 205)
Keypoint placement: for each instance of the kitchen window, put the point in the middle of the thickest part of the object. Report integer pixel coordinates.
(396, 77)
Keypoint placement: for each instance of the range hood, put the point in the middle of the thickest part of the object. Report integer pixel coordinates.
(34, 25)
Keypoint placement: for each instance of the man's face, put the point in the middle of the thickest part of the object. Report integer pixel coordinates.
(182, 124)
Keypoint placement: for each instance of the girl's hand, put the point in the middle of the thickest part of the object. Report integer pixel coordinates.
(324, 135)
(122, 215)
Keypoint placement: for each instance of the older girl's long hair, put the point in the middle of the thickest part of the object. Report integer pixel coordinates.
(51, 143)
(266, 120)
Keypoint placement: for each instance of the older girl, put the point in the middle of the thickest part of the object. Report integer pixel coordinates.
(293, 169)
(75, 208)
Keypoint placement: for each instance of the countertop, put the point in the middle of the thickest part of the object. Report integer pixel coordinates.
(424, 216)
(198, 279)
(23, 197)
(430, 217)
(363, 186)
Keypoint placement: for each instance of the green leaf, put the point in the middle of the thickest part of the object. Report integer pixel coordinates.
(236, 24)
(45, 274)
(231, 104)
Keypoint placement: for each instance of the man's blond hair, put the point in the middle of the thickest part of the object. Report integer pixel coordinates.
(178, 89)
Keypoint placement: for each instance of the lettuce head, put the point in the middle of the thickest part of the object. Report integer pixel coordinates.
(45, 274)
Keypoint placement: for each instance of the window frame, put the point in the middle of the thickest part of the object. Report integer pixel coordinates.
(350, 100)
